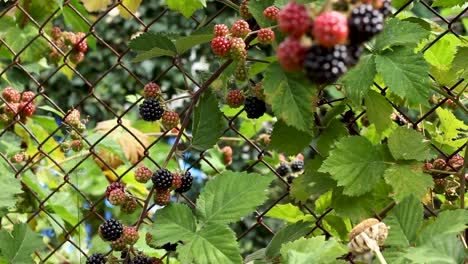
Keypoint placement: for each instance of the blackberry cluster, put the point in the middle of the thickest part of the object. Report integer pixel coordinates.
(151, 109)
(254, 107)
(326, 65)
(162, 179)
(187, 182)
(140, 259)
(386, 8)
(297, 165)
(111, 230)
(364, 23)
(96, 258)
(354, 53)
(282, 169)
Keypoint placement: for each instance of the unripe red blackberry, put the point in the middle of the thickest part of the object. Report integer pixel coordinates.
(162, 197)
(143, 174)
(187, 182)
(73, 118)
(220, 30)
(439, 186)
(96, 258)
(221, 46)
(114, 186)
(69, 38)
(330, 29)
(258, 90)
(162, 179)
(28, 96)
(11, 109)
(117, 197)
(26, 109)
(427, 167)
(244, 9)
(271, 13)
(291, 54)
(227, 153)
(81, 45)
(18, 158)
(129, 206)
(240, 28)
(76, 145)
(239, 55)
(237, 45)
(118, 245)
(439, 164)
(266, 36)
(235, 98)
(151, 109)
(11, 95)
(56, 33)
(254, 107)
(54, 56)
(456, 162)
(170, 119)
(176, 181)
(76, 57)
(111, 230)
(130, 235)
(151, 90)
(294, 20)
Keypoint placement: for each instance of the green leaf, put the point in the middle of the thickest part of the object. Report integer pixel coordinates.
(453, 132)
(448, 3)
(405, 72)
(397, 32)
(74, 19)
(290, 98)
(108, 144)
(407, 144)
(256, 8)
(404, 222)
(358, 80)
(443, 250)
(314, 249)
(459, 62)
(10, 187)
(289, 213)
(330, 135)
(447, 223)
(173, 223)
(207, 123)
(230, 196)
(198, 37)
(150, 45)
(378, 111)
(408, 180)
(441, 54)
(354, 207)
(213, 244)
(282, 135)
(355, 164)
(287, 234)
(186, 7)
(20, 244)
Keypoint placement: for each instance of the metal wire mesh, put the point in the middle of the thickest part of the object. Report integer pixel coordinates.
(71, 176)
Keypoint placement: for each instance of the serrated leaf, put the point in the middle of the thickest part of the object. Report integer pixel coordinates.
(186, 7)
(358, 80)
(447, 223)
(289, 213)
(405, 73)
(444, 250)
(459, 62)
(448, 3)
(10, 187)
(198, 37)
(378, 111)
(315, 250)
(407, 144)
(354, 207)
(405, 221)
(397, 32)
(131, 5)
(149, 45)
(173, 223)
(453, 132)
(208, 122)
(330, 135)
(282, 135)
(20, 244)
(230, 196)
(355, 164)
(408, 180)
(290, 98)
(286, 234)
(441, 54)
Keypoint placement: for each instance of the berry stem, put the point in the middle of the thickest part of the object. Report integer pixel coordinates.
(145, 207)
(230, 4)
(463, 179)
(442, 171)
(178, 98)
(256, 31)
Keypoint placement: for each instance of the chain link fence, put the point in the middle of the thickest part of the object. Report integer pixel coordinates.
(74, 236)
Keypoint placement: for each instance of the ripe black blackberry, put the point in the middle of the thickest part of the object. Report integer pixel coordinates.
(162, 179)
(354, 53)
(187, 182)
(282, 169)
(111, 230)
(151, 109)
(386, 8)
(326, 65)
(140, 259)
(96, 258)
(297, 165)
(254, 107)
(364, 23)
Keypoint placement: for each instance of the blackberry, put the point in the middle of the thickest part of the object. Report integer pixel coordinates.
(283, 169)
(162, 179)
(96, 258)
(290, 179)
(187, 182)
(140, 259)
(364, 23)
(111, 230)
(297, 165)
(386, 8)
(114, 186)
(326, 65)
(254, 107)
(151, 109)
(354, 53)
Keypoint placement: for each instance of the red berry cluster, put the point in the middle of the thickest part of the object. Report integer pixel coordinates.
(76, 127)
(442, 172)
(151, 109)
(68, 41)
(116, 195)
(17, 105)
(327, 44)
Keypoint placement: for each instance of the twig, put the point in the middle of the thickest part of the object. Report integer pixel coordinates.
(374, 247)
